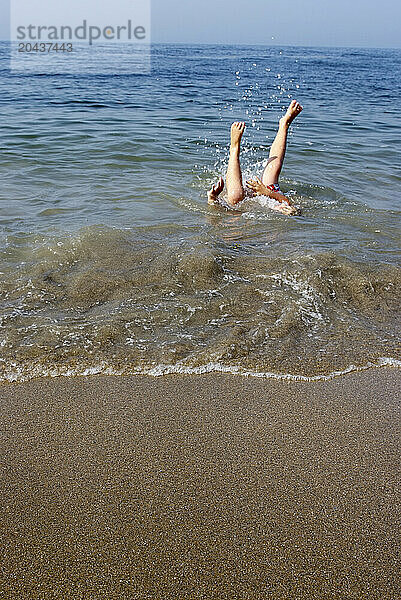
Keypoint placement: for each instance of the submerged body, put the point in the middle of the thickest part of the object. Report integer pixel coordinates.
(269, 184)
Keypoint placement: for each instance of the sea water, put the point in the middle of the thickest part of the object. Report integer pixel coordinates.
(111, 261)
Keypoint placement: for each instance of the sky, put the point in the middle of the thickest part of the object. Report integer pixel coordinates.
(366, 23)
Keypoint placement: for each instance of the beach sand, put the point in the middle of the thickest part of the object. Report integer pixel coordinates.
(211, 486)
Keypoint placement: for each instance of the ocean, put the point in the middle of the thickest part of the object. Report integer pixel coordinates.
(112, 262)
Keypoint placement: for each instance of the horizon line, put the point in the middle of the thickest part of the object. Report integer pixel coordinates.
(265, 44)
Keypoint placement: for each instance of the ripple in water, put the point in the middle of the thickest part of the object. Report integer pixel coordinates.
(109, 300)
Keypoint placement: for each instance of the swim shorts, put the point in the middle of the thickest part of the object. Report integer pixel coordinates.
(274, 187)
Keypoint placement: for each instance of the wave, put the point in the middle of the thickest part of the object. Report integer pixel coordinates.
(19, 375)
(134, 300)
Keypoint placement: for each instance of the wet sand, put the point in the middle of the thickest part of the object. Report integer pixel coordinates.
(207, 487)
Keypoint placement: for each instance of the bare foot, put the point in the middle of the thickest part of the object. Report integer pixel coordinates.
(292, 111)
(216, 190)
(237, 130)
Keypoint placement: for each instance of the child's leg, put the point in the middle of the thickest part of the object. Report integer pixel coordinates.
(277, 151)
(235, 189)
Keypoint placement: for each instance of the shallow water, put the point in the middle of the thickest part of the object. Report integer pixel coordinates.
(111, 260)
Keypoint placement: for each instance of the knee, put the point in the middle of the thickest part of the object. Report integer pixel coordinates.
(235, 197)
(274, 164)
